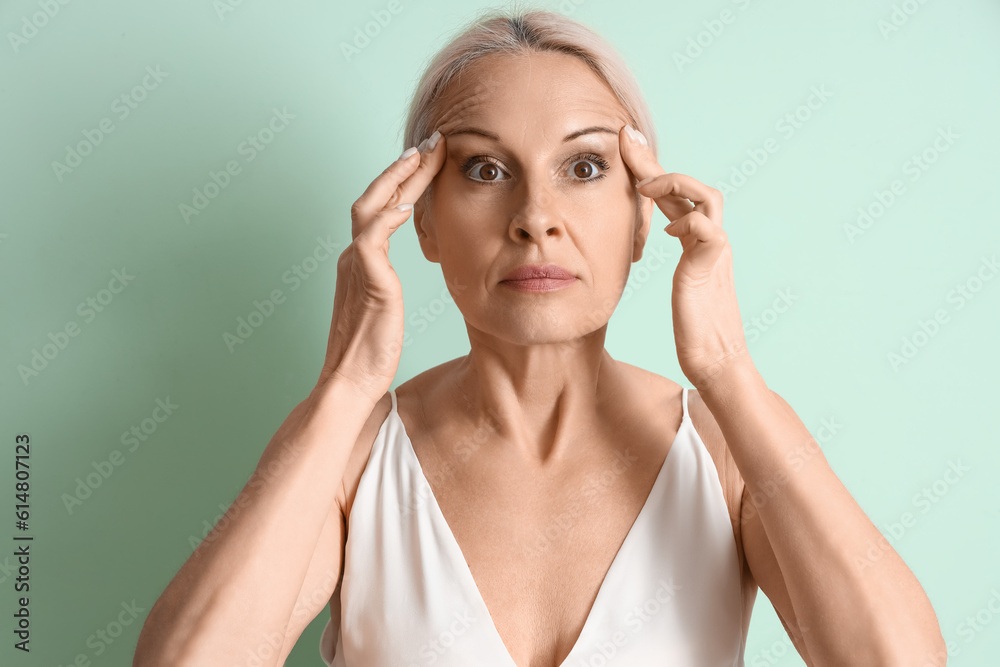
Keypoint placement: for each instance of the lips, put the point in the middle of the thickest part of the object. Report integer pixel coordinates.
(539, 271)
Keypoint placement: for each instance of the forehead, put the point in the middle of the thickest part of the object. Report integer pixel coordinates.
(537, 95)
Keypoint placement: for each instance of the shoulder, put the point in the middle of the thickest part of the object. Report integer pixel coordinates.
(715, 442)
(361, 451)
(662, 391)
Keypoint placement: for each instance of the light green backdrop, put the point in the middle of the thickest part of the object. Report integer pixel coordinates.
(903, 124)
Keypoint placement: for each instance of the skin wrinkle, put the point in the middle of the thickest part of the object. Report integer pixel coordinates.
(539, 213)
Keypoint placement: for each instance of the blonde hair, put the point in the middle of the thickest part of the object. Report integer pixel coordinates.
(516, 31)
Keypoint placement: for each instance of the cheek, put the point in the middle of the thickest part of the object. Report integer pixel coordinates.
(465, 233)
(457, 202)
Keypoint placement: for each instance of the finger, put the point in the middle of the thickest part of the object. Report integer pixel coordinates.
(380, 228)
(377, 194)
(706, 200)
(432, 158)
(642, 163)
(674, 194)
(701, 238)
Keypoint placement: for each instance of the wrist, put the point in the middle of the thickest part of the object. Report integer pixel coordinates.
(735, 374)
(338, 392)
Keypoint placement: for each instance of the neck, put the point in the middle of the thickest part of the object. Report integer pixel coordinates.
(539, 398)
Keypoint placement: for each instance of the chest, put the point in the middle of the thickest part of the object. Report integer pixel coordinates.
(539, 545)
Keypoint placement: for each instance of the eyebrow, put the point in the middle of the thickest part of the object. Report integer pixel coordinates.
(568, 137)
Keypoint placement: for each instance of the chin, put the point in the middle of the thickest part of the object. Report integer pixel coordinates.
(543, 324)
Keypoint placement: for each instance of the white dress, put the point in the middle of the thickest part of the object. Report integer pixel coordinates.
(671, 596)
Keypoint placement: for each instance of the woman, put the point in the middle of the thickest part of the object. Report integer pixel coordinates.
(537, 502)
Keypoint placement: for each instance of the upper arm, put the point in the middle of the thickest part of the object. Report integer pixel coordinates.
(763, 566)
(325, 571)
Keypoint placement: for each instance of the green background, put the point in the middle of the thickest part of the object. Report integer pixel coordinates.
(854, 298)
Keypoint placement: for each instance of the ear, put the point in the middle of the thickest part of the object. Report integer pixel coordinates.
(643, 221)
(426, 234)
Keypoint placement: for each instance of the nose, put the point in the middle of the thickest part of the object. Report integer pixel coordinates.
(538, 217)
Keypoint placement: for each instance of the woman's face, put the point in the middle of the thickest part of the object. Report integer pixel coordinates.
(528, 195)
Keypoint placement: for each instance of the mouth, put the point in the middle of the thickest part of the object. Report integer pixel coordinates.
(538, 278)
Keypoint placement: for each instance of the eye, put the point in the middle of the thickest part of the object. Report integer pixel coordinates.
(489, 171)
(585, 168)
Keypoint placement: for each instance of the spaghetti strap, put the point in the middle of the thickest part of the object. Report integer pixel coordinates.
(684, 404)
(392, 395)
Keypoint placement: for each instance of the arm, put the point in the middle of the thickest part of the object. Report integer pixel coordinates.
(806, 539)
(238, 590)
(253, 580)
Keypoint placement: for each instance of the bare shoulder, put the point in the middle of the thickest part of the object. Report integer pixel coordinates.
(665, 391)
(358, 460)
(646, 380)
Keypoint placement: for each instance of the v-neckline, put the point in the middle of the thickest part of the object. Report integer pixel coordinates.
(607, 575)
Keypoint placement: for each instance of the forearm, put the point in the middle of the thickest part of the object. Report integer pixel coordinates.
(850, 607)
(240, 585)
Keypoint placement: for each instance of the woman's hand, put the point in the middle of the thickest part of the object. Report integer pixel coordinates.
(366, 334)
(708, 331)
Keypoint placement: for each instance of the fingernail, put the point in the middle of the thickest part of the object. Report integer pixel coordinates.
(407, 153)
(428, 144)
(635, 135)
(432, 140)
(405, 207)
(644, 181)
